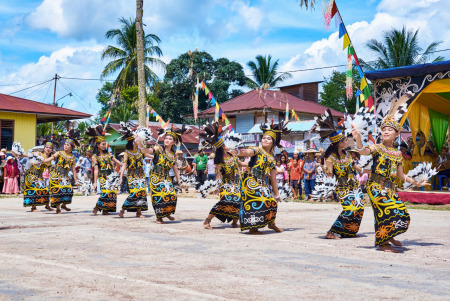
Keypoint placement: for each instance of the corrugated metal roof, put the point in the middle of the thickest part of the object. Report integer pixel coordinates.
(20, 105)
(275, 100)
(294, 126)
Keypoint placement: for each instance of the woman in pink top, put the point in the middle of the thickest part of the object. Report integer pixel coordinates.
(11, 175)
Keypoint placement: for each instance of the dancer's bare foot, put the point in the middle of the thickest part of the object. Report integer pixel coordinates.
(388, 248)
(121, 213)
(275, 228)
(94, 211)
(330, 235)
(58, 211)
(395, 242)
(48, 207)
(34, 209)
(255, 232)
(170, 217)
(207, 225)
(160, 221)
(105, 212)
(65, 207)
(234, 225)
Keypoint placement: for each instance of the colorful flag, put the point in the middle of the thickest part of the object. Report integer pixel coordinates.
(346, 41)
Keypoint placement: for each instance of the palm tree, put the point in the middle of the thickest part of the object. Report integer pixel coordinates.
(124, 57)
(265, 73)
(400, 48)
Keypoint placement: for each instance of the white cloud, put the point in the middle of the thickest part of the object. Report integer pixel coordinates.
(80, 62)
(429, 16)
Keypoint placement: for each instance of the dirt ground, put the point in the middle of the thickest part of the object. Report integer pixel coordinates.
(78, 256)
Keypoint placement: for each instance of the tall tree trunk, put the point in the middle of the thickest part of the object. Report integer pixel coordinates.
(140, 63)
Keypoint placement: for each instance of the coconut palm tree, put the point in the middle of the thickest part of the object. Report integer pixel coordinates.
(400, 48)
(124, 56)
(265, 73)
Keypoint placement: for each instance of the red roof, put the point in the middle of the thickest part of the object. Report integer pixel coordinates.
(191, 138)
(276, 100)
(44, 111)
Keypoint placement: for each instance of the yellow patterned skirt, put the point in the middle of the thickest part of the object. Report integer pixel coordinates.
(391, 216)
(164, 196)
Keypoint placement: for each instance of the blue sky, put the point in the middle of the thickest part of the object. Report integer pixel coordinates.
(39, 38)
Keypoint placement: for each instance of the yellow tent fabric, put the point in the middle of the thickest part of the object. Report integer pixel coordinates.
(419, 120)
(438, 86)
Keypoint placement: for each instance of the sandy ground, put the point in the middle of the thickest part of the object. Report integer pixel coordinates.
(78, 256)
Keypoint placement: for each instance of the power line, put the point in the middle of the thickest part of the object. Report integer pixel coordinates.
(31, 87)
(48, 89)
(22, 84)
(71, 91)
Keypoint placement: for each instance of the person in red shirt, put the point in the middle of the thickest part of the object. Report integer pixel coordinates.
(295, 171)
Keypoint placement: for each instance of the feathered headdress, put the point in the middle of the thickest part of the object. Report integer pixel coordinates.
(175, 133)
(328, 129)
(275, 131)
(96, 135)
(212, 135)
(398, 108)
(72, 137)
(127, 131)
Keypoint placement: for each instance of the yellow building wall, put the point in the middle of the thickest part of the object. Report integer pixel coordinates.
(24, 128)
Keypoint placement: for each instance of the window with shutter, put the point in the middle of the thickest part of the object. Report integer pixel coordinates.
(6, 133)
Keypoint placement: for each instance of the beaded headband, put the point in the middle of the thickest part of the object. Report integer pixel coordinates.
(272, 133)
(337, 136)
(219, 142)
(391, 122)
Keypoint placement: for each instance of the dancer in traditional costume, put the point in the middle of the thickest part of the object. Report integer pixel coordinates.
(258, 206)
(36, 192)
(102, 161)
(61, 191)
(391, 216)
(163, 192)
(228, 175)
(133, 161)
(339, 163)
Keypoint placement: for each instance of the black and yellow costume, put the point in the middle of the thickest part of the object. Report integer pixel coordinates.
(350, 195)
(136, 183)
(35, 191)
(391, 216)
(61, 191)
(258, 207)
(108, 199)
(164, 196)
(229, 205)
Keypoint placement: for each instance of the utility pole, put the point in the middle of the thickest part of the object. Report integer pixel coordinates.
(54, 96)
(142, 102)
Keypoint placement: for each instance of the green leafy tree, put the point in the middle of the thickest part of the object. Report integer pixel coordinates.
(125, 107)
(265, 73)
(400, 48)
(334, 91)
(124, 56)
(176, 90)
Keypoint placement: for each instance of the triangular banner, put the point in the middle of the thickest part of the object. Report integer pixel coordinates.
(346, 41)
(342, 31)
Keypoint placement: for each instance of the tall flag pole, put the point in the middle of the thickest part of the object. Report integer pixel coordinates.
(331, 10)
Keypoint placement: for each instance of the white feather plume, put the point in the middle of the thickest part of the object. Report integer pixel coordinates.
(17, 149)
(145, 135)
(422, 172)
(363, 121)
(233, 140)
(324, 189)
(85, 185)
(284, 191)
(208, 187)
(365, 162)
